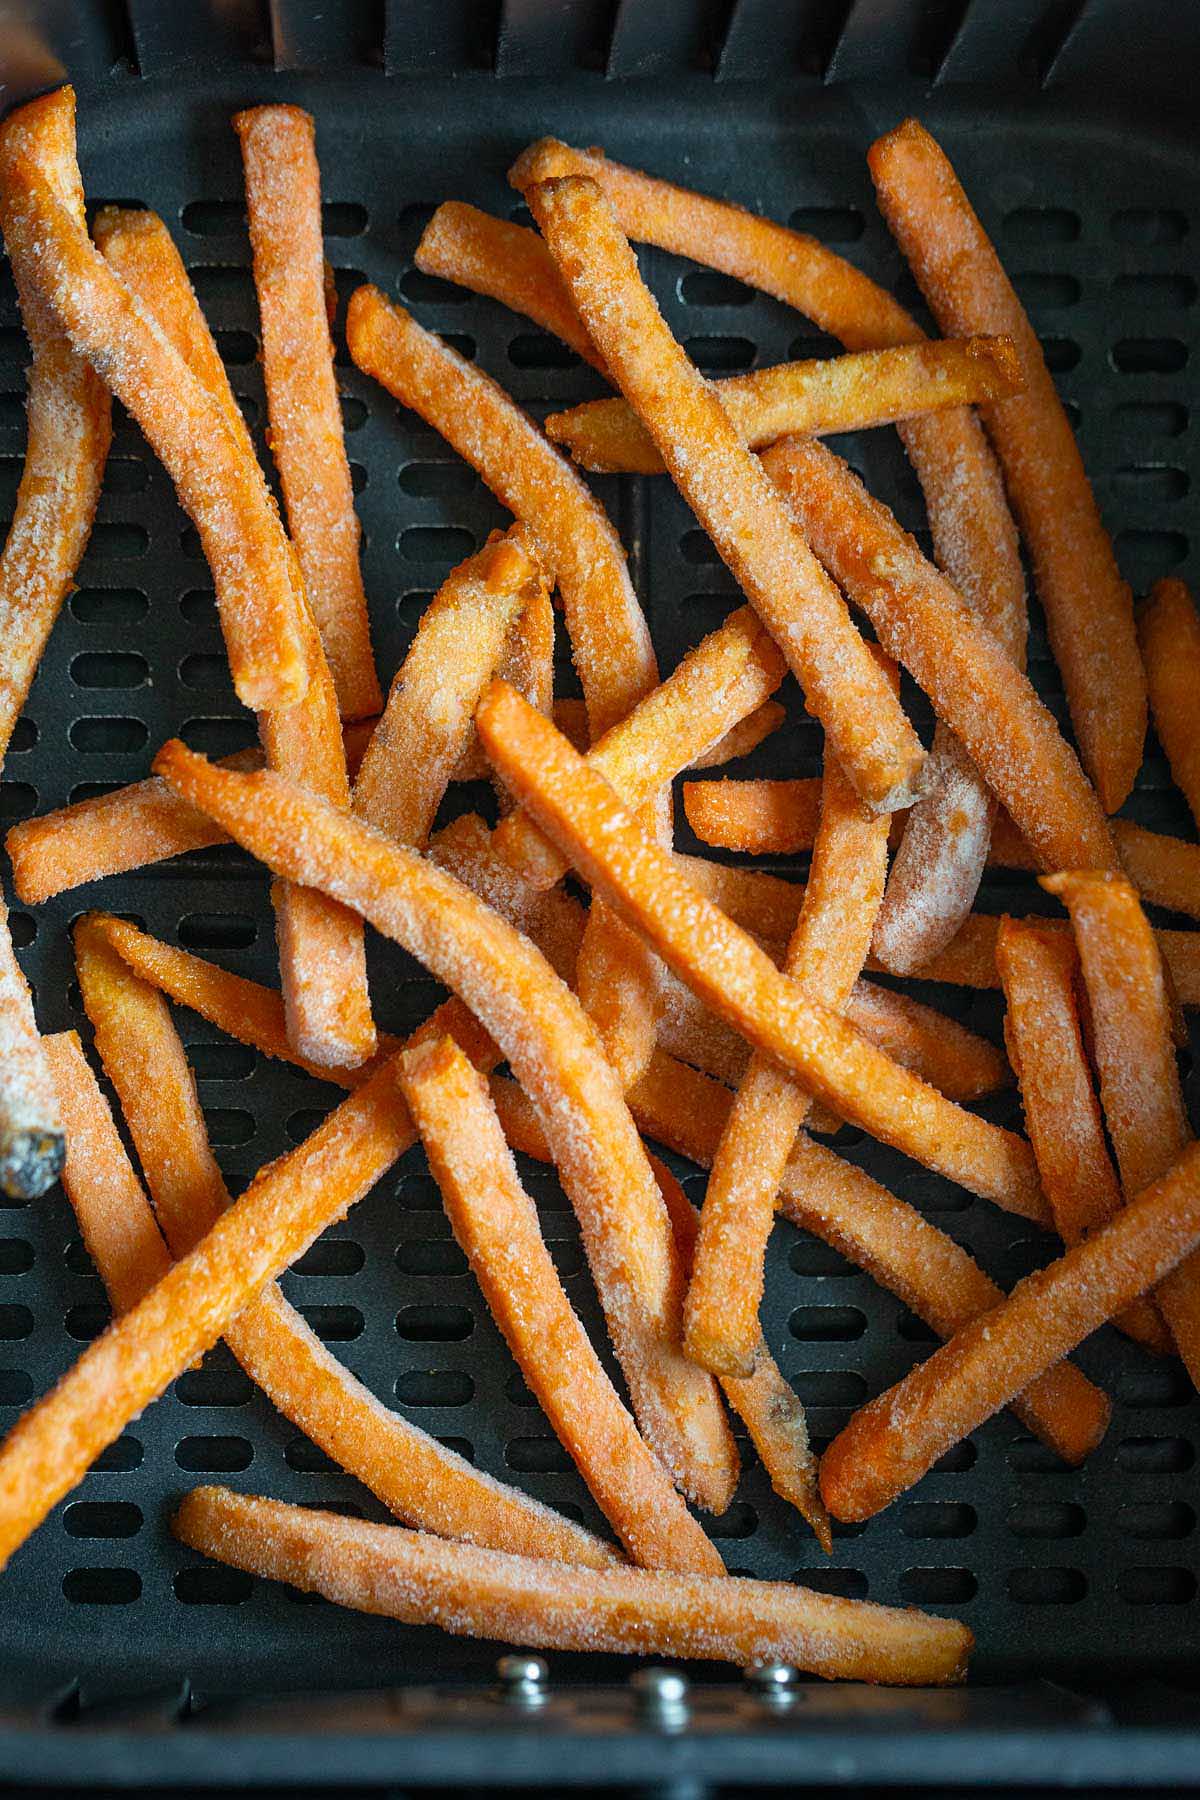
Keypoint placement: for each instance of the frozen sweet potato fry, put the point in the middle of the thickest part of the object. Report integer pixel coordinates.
(483, 1593)
(262, 611)
(540, 1028)
(427, 722)
(974, 686)
(1134, 1052)
(894, 1439)
(68, 418)
(115, 1218)
(844, 687)
(837, 393)
(894, 1243)
(824, 959)
(322, 959)
(496, 1225)
(1089, 611)
(729, 971)
(1169, 634)
(757, 817)
(283, 204)
(721, 681)
(528, 663)
(32, 1147)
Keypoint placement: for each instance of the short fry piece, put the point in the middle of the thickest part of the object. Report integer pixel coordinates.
(1135, 1058)
(1169, 634)
(496, 1225)
(483, 1593)
(32, 1147)
(728, 970)
(759, 818)
(1089, 610)
(925, 624)
(770, 558)
(69, 429)
(283, 204)
(894, 1439)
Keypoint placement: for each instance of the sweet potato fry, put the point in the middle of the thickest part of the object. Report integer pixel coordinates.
(824, 959)
(843, 686)
(483, 1593)
(894, 1439)
(505, 262)
(1088, 607)
(1169, 635)
(322, 959)
(1134, 1052)
(115, 1219)
(837, 393)
(496, 1225)
(32, 1148)
(68, 424)
(283, 204)
(894, 1243)
(728, 970)
(262, 613)
(921, 620)
(528, 663)
(757, 817)
(715, 686)
(427, 722)
(540, 1028)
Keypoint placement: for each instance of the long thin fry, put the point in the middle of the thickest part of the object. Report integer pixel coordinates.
(540, 1028)
(1169, 635)
(838, 393)
(69, 428)
(895, 1438)
(115, 1219)
(427, 722)
(731, 973)
(1135, 1058)
(1088, 607)
(727, 675)
(283, 205)
(843, 686)
(322, 959)
(923, 622)
(482, 1593)
(262, 614)
(894, 1243)
(825, 957)
(496, 1225)
(32, 1146)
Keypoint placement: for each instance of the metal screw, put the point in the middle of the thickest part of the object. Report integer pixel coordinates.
(773, 1682)
(662, 1697)
(523, 1680)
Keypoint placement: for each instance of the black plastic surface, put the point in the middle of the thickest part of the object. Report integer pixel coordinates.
(1079, 1576)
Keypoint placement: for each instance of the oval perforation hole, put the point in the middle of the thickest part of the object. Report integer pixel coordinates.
(209, 1584)
(709, 287)
(737, 1521)
(102, 1587)
(303, 1122)
(1155, 290)
(1046, 1587)
(1161, 1382)
(721, 355)
(214, 1387)
(697, 547)
(938, 1519)
(1046, 1519)
(354, 412)
(202, 670)
(1030, 225)
(430, 1256)
(102, 1519)
(1143, 482)
(1155, 1455)
(849, 1584)
(229, 1124)
(87, 1320)
(914, 1330)
(219, 283)
(436, 543)
(18, 799)
(1149, 356)
(1152, 418)
(16, 1387)
(126, 475)
(15, 1322)
(1046, 288)
(933, 1586)
(222, 1062)
(117, 538)
(1061, 354)
(537, 1456)
(538, 350)
(218, 736)
(343, 218)
(829, 1387)
(430, 290)
(438, 480)
(214, 1455)
(213, 218)
(100, 736)
(217, 931)
(119, 1458)
(957, 1460)
(331, 1257)
(237, 348)
(827, 1324)
(434, 1324)
(1029, 1456)
(109, 606)
(109, 669)
(1156, 1586)
(22, 928)
(832, 224)
(1148, 225)
(1145, 555)
(814, 1259)
(24, 736)
(1157, 1521)
(16, 1256)
(435, 1387)
(334, 1324)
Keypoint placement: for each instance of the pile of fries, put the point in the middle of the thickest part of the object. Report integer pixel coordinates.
(717, 1011)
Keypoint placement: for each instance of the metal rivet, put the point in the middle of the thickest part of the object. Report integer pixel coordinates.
(662, 1696)
(775, 1681)
(523, 1679)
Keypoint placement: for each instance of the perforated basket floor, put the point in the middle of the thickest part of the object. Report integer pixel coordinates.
(1059, 1573)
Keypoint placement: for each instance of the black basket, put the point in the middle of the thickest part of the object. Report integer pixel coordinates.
(123, 1657)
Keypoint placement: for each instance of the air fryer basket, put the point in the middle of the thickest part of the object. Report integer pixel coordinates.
(123, 1656)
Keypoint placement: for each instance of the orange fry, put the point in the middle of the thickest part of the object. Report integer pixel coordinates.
(540, 1028)
(496, 1225)
(843, 685)
(483, 1593)
(68, 427)
(1038, 970)
(114, 1216)
(837, 393)
(730, 673)
(505, 262)
(283, 204)
(824, 959)
(528, 662)
(32, 1147)
(1089, 611)
(731, 974)
(262, 611)
(894, 1243)
(1135, 1058)
(759, 818)
(427, 722)
(922, 621)
(891, 1442)
(1169, 634)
